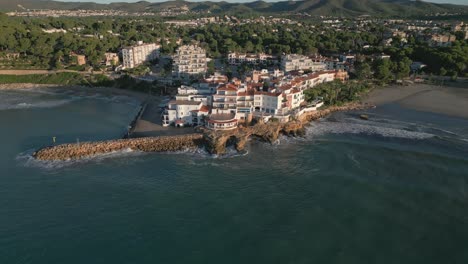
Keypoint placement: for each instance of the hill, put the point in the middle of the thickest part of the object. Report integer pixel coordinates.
(313, 7)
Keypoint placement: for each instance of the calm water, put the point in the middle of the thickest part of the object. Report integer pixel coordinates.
(389, 190)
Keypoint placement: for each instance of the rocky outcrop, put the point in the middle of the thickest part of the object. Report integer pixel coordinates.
(310, 116)
(216, 141)
(149, 144)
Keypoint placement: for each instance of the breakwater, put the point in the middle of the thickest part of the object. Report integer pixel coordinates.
(148, 144)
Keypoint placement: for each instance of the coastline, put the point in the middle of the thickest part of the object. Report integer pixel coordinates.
(447, 100)
(215, 142)
(444, 100)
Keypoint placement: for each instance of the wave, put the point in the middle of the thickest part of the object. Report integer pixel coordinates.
(26, 159)
(40, 104)
(325, 127)
(50, 98)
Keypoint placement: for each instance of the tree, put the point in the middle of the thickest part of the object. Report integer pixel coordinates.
(211, 67)
(363, 71)
(403, 68)
(443, 71)
(383, 71)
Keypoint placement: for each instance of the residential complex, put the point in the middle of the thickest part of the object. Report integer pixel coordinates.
(296, 62)
(138, 54)
(235, 58)
(189, 61)
(276, 95)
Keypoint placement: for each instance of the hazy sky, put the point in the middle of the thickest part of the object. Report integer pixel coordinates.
(464, 2)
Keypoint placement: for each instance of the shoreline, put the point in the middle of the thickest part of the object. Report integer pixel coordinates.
(215, 142)
(420, 97)
(446, 100)
(101, 89)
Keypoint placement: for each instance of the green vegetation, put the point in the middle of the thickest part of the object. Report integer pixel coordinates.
(98, 80)
(324, 7)
(337, 92)
(67, 78)
(94, 37)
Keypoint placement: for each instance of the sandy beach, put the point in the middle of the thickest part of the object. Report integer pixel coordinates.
(102, 90)
(446, 100)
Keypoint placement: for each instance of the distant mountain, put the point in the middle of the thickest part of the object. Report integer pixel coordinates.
(313, 7)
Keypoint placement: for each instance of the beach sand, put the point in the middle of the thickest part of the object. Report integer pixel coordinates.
(101, 90)
(446, 100)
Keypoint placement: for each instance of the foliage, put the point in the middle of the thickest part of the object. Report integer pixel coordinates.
(67, 78)
(337, 92)
(94, 37)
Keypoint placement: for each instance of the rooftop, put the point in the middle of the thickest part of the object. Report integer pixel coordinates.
(183, 102)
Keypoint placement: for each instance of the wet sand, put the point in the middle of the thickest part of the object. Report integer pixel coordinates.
(101, 90)
(446, 100)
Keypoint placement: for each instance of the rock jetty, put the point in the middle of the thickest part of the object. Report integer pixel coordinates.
(147, 144)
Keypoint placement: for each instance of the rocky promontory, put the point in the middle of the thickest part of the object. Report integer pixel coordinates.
(215, 142)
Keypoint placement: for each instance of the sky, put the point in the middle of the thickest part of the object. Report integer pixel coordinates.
(463, 2)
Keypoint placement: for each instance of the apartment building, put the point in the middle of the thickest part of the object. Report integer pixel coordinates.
(295, 62)
(235, 58)
(189, 61)
(140, 53)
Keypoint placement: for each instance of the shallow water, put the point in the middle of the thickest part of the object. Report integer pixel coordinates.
(389, 190)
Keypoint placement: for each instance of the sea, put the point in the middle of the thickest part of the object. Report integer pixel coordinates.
(391, 189)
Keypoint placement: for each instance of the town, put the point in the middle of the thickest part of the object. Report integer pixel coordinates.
(221, 103)
(216, 78)
(234, 131)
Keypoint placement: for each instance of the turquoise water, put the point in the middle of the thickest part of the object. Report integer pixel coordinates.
(389, 190)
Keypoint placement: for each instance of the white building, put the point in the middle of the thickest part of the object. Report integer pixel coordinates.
(183, 112)
(251, 58)
(189, 60)
(295, 62)
(222, 121)
(225, 98)
(136, 55)
(268, 102)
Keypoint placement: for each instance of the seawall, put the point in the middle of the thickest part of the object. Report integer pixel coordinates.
(132, 125)
(148, 144)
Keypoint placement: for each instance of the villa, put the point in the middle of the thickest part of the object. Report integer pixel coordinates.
(184, 113)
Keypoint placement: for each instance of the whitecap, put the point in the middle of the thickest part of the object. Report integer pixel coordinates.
(322, 128)
(26, 159)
